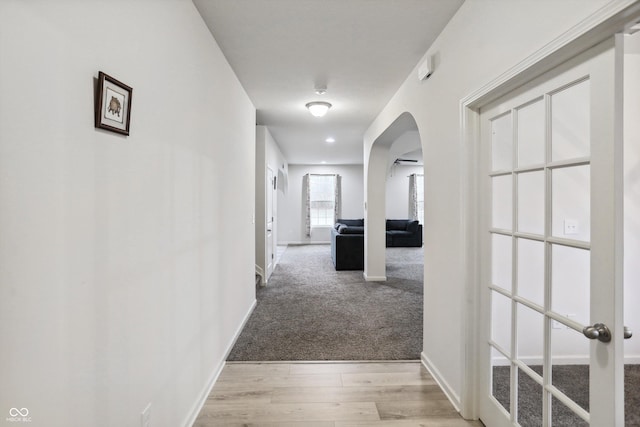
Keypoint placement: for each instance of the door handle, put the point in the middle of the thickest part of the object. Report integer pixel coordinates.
(598, 331)
(601, 332)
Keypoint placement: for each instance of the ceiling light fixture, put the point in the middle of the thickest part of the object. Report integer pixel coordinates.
(330, 140)
(318, 108)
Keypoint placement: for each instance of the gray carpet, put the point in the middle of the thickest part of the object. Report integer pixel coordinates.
(309, 311)
(572, 380)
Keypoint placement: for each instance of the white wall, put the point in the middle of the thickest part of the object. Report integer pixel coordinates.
(291, 207)
(483, 40)
(126, 262)
(398, 190)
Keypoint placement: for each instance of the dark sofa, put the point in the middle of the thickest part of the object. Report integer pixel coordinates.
(347, 240)
(347, 244)
(404, 233)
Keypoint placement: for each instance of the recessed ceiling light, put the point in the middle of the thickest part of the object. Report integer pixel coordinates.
(330, 140)
(324, 162)
(318, 108)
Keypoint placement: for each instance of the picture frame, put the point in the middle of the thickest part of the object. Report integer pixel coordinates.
(113, 105)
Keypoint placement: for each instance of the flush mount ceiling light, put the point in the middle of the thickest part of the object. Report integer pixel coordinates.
(318, 108)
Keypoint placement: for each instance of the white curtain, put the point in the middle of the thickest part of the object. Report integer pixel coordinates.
(413, 196)
(337, 205)
(307, 187)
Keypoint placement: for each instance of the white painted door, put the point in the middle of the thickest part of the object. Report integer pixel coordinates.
(551, 240)
(270, 222)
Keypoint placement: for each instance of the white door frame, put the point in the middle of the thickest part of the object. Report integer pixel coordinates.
(270, 233)
(613, 18)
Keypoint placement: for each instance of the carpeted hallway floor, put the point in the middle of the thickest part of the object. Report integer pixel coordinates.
(309, 311)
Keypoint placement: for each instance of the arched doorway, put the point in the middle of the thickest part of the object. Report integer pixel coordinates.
(384, 149)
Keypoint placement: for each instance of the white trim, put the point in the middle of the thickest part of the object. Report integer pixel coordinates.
(559, 360)
(446, 388)
(260, 272)
(299, 243)
(469, 265)
(197, 406)
(605, 22)
(374, 278)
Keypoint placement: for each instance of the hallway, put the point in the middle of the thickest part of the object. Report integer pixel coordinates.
(328, 394)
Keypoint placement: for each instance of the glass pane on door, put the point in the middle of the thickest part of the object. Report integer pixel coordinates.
(570, 283)
(501, 266)
(502, 198)
(570, 359)
(531, 138)
(502, 143)
(501, 378)
(570, 118)
(530, 341)
(531, 204)
(561, 416)
(501, 321)
(531, 270)
(571, 208)
(530, 398)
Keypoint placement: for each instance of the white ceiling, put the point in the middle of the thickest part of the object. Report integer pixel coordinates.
(362, 50)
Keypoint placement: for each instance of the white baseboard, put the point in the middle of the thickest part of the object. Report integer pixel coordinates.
(444, 385)
(197, 407)
(632, 360)
(328, 242)
(561, 360)
(374, 278)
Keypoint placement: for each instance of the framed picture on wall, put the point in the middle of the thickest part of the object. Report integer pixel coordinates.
(113, 106)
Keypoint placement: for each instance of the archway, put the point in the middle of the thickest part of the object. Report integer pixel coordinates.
(376, 166)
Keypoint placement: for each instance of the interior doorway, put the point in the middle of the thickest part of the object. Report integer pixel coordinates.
(270, 221)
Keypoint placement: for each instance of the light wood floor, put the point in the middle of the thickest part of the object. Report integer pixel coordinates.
(389, 394)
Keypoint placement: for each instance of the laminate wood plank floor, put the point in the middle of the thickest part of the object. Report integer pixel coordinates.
(328, 394)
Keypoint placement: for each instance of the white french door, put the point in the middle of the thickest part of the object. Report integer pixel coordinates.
(551, 238)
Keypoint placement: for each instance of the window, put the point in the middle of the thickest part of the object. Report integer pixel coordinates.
(322, 200)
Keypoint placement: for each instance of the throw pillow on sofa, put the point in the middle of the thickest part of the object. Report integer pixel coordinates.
(397, 224)
(350, 222)
(350, 229)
